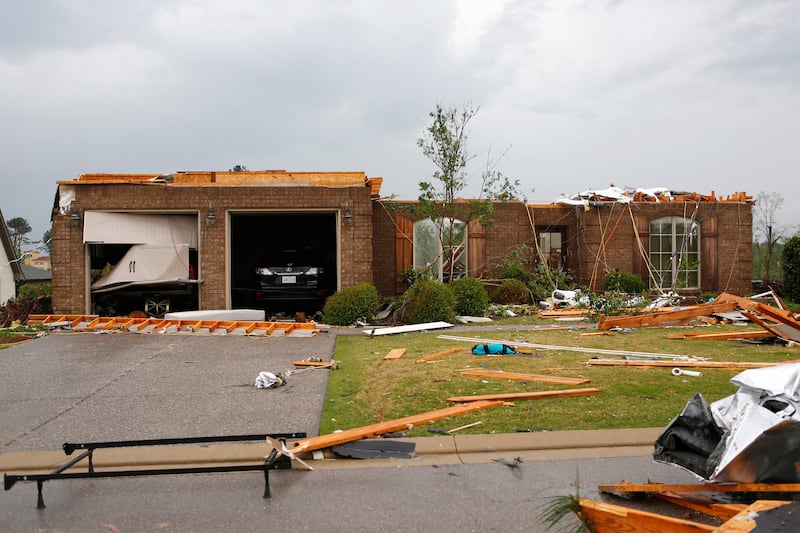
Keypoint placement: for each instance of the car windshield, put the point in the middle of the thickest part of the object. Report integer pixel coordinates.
(288, 257)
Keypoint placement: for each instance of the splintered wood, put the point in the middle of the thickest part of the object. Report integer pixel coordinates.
(400, 424)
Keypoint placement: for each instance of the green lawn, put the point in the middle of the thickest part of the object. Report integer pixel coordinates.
(366, 389)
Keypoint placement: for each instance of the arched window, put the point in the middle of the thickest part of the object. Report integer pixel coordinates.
(438, 245)
(675, 253)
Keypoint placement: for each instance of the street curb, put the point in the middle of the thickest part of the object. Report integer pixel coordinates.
(445, 449)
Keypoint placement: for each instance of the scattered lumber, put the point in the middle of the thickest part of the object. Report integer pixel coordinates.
(538, 395)
(395, 353)
(350, 435)
(94, 323)
(439, 354)
(664, 317)
(516, 376)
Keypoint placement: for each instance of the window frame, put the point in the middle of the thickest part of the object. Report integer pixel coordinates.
(429, 253)
(668, 239)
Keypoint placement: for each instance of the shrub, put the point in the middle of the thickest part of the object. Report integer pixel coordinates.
(429, 301)
(471, 298)
(545, 280)
(516, 272)
(791, 268)
(624, 282)
(349, 304)
(511, 291)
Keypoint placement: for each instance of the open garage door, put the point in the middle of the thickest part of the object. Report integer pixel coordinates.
(284, 263)
(141, 263)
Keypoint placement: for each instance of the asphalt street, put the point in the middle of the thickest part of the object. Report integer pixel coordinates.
(119, 386)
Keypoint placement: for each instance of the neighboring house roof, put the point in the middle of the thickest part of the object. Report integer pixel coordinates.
(8, 247)
(31, 273)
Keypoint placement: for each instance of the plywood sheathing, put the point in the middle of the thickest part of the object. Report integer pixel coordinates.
(396, 353)
(400, 424)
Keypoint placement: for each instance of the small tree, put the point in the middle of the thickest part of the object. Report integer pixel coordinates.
(18, 228)
(47, 241)
(445, 144)
(765, 230)
(791, 268)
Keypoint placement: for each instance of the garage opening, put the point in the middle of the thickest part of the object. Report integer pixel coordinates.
(141, 264)
(284, 263)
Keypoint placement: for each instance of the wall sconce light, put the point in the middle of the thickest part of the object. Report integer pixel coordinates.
(348, 217)
(211, 217)
(75, 218)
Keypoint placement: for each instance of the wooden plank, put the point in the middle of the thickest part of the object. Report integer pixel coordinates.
(537, 395)
(395, 353)
(728, 335)
(779, 330)
(747, 519)
(437, 355)
(662, 317)
(624, 487)
(320, 364)
(703, 504)
(517, 376)
(400, 424)
(610, 518)
(724, 365)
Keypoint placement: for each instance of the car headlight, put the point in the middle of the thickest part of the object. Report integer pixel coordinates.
(313, 271)
(264, 271)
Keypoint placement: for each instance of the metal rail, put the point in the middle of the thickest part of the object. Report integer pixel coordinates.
(274, 461)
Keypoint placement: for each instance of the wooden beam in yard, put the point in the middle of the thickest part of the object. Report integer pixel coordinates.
(400, 424)
(437, 355)
(728, 335)
(663, 317)
(538, 395)
(724, 365)
(516, 376)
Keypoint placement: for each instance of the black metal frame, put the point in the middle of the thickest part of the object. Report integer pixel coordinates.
(273, 461)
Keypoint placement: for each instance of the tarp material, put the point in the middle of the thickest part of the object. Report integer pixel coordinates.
(148, 264)
(759, 427)
(493, 349)
(136, 228)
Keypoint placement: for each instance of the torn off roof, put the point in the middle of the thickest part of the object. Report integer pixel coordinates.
(654, 194)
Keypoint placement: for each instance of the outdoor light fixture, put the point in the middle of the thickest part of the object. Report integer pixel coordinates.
(75, 218)
(211, 217)
(348, 217)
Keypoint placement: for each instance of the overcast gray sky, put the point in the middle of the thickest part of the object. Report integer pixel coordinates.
(694, 96)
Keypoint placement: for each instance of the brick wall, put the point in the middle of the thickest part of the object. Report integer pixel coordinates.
(599, 240)
(69, 263)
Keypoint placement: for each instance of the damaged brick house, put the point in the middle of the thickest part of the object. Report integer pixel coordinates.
(196, 240)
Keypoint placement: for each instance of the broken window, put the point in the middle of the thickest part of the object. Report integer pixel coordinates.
(441, 247)
(675, 253)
